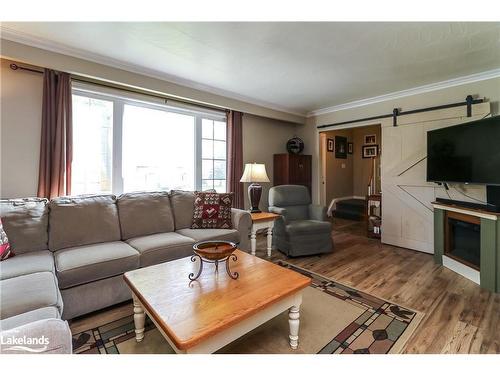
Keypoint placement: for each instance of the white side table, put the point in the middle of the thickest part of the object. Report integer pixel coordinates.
(263, 220)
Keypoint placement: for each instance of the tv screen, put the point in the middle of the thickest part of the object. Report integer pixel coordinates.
(466, 153)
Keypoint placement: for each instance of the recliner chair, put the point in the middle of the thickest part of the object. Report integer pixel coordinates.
(303, 228)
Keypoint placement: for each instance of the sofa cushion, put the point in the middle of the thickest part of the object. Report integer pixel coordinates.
(308, 227)
(212, 211)
(24, 264)
(83, 264)
(162, 247)
(29, 317)
(83, 220)
(211, 234)
(26, 223)
(183, 207)
(29, 292)
(144, 213)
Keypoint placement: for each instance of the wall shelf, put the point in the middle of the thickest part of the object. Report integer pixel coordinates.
(374, 219)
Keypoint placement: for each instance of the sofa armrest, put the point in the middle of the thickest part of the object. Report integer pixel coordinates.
(317, 212)
(242, 222)
(47, 336)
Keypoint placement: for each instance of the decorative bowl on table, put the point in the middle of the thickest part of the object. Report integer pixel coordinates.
(214, 252)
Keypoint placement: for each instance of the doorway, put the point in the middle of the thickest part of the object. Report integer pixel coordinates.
(350, 178)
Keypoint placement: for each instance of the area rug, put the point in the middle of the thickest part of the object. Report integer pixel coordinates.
(334, 319)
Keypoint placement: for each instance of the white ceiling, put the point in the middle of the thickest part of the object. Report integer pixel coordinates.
(298, 67)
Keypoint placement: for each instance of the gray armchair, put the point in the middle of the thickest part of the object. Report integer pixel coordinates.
(303, 228)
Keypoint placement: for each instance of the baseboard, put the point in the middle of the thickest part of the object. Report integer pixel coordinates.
(468, 272)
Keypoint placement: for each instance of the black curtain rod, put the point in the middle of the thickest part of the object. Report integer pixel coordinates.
(469, 101)
(14, 66)
(167, 99)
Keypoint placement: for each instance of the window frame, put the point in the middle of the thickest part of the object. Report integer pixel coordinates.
(213, 159)
(119, 100)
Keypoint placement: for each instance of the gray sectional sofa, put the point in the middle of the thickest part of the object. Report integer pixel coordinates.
(71, 252)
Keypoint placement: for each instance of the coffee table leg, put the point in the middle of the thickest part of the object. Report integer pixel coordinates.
(293, 321)
(139, 320)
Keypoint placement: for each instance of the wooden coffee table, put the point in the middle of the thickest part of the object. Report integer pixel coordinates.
(205, 315)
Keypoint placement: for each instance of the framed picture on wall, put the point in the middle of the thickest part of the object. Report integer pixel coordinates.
(370, 151)
(330, 144)
(370, 139)
(340, 147)
(350, 147)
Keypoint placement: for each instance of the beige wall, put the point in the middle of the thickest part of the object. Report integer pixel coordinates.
(490, 89)
(20, 119)
(262, 138)
(85, 68)
(21, 110)
(339, 172)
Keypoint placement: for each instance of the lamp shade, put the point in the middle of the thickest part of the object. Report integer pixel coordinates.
(255, 173)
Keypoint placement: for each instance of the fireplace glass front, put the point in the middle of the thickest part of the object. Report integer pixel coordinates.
(464, 242)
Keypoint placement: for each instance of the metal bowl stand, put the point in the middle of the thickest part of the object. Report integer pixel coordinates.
(232, 275)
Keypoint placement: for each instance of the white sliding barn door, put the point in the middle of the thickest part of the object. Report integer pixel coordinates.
(407, 214)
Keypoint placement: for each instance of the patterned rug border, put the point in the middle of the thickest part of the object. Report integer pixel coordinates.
(402, 340)
(400, 323)
(347, 286)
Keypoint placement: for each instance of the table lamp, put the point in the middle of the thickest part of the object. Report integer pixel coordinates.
(254, 173)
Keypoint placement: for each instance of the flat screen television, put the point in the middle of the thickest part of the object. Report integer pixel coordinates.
(465, 153)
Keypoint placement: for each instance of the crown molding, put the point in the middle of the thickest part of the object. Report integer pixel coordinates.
(41, 43)
(489, 74)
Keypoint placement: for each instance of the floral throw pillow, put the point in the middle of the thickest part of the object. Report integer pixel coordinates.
(5, 251)
(212, 210)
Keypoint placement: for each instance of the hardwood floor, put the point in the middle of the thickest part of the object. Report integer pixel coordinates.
(460, 316)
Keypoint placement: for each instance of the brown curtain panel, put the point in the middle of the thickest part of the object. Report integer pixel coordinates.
(54, 176)
(235, 157)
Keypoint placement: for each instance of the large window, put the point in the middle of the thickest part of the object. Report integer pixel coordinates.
(121, 144)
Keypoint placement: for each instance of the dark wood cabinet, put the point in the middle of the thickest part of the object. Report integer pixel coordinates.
(291, 169)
